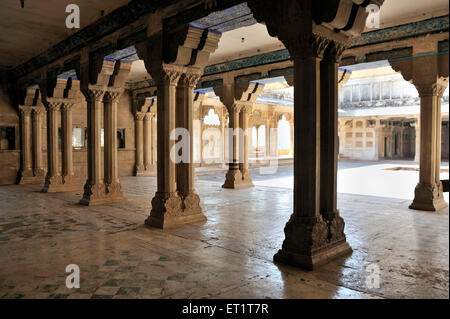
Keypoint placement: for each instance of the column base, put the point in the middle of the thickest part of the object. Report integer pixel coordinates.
(142, 173)
(114, 193)
(315, 259)
(234, 180)
(52, 184)
(191, 205)
(428, 197)
(167, 211)
(61, 184)
(27, 177)
(311, 242)
(247, 179)
(94, 194)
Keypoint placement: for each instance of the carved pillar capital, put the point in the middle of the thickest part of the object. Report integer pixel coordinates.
(190, 79)
(53, 106)
(433, 89)
(247, 108)
(67, 106)
(113, 96)
(140, 116)
(25, 110)
(170, 76)
(38, 110)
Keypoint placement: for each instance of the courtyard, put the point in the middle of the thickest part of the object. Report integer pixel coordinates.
(231, 255)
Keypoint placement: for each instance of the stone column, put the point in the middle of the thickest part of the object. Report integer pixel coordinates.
(222, 130)
(291, 125)
(139, 167)
(53, 180)
(417, 149)
(154, 139)
(38, 167)
(429, 73)
(147, 141)
(111, 164)
(26, 172)
(166, 205)
(311, 239)
(243, 165)
(268, 144)
(94, 189)
(233, 177)
(429, 190)
(190, 56)
(185, 171)
(68, 177)
(329, 147)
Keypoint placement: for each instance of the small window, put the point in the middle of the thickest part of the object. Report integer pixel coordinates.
(7, 138)
(376, 91)
(78, 137)
(365, 92)
(121, 138)
(386, 90)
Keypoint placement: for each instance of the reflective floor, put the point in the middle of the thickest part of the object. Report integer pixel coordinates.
(397, 252)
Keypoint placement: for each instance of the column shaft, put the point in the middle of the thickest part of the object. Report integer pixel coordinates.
(185, 170)
(429, 190)
(113, 187)
(139, 167)
(166, 205)
(53, 179)
(94, 189)
(328, 138)
(243, 165)
(147, 141)
(37, 142)
(309, 238)
(67, 153)
(26, 169)
(233, 177)
(268, 144)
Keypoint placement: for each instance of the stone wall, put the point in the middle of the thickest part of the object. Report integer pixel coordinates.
(9, 158)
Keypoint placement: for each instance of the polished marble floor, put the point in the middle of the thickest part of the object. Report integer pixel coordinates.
(229, 256)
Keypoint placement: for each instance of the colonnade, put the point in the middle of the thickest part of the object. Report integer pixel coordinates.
(102, 88)
(145, 125)
(32, 168)
(315, 232)
(59, 96)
